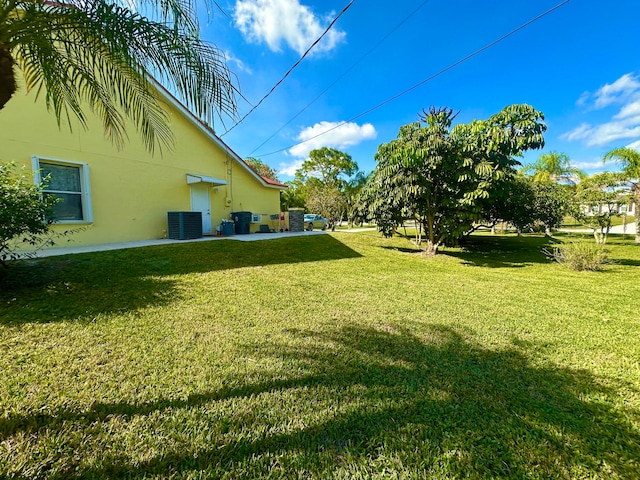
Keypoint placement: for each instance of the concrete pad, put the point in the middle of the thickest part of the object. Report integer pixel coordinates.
(251, 237)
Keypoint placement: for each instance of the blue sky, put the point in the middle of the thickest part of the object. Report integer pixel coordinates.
(579, 65)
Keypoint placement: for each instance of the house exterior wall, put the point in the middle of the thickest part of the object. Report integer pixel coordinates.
(131, 190)
(628, 209)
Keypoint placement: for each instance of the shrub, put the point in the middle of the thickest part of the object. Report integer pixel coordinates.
(23, 212)
(580, 256)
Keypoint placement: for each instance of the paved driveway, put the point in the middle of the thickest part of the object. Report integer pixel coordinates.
(629, 230)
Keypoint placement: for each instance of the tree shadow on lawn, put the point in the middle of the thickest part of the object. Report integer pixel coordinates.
(438, 404)
(502, 251)
(69, 286)
(627, 262)
(414, 250)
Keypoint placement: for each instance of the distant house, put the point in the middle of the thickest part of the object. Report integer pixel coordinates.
(126, 195)
(625, 208)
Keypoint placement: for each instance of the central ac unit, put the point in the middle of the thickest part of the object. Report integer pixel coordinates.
(184, 225)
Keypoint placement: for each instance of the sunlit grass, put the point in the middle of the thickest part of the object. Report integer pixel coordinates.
(333, 356)
(570, 222)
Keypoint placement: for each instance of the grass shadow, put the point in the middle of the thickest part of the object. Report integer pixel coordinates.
(439, 402)
(51, 289)
(627, 262)
(402, 249)
(501, 251)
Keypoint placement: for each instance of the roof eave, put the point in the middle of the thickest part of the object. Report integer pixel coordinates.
(211, 134)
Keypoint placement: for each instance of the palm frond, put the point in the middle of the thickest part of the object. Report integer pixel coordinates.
(627, 158)
(98, 55)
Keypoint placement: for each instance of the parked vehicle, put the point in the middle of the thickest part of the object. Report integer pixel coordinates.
(312, 220)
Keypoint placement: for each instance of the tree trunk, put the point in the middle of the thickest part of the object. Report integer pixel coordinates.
(636, 202)
(432, 249)
(7, 76)
(432, 245)
(600, 236)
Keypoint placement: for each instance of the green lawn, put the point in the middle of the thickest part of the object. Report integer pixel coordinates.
(328, 356)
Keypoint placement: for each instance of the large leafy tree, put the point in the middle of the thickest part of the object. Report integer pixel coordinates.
(629, 160)
(328, 165)
(554, 181)
(386, 211)
(294, 196)
(510, 200)
(261, 168)
(97, 55)
(600, 197)
(423, 175)
(438, 174)
(327, 200)
(326, 175)
(352, 190)
(524, 203)
(551, 203)
(554, 167)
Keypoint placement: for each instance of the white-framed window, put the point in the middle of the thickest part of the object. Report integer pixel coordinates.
(68, 181)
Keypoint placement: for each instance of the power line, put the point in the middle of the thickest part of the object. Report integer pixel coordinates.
(344, 74)
(344, 10)
(428, 79)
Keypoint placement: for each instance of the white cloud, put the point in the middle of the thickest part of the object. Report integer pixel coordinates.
(588, 164)
(630, 111)
(618, 91)
(635, 145)
(289, 169)
(584, 98)
(338, 136)
(275, 21)
(624, 125)
(577, 133)
(603, 134)
(240, 65)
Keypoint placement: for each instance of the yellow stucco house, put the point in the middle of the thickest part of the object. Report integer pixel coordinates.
(126, 195)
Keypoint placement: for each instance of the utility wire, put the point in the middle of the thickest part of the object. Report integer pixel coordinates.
(344, 10)
(435, 75)
(344, 74)
(239, 93)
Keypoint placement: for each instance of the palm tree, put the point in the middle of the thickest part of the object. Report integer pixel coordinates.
(629, 161)
(554, 167)
(98, 55)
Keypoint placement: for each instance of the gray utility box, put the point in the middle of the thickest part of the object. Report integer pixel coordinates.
(184, 225)
(226, 228)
